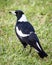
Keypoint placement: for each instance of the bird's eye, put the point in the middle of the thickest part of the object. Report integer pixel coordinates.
(16, 12)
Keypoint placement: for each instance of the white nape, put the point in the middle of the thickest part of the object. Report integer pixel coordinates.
(23, 18)
(38, 45)
(19, 32)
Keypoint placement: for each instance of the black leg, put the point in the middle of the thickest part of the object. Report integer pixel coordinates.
(30, 49)
(24, 46)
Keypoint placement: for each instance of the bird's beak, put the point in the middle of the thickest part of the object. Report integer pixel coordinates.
(12, 12)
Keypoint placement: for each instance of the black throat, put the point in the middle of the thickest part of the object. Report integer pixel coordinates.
(19, 16)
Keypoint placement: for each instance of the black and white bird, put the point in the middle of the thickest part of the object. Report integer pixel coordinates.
(26, 33)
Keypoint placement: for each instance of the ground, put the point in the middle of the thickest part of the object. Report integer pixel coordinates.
(39, 14)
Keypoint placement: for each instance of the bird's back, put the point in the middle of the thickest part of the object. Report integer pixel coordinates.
(25, 27)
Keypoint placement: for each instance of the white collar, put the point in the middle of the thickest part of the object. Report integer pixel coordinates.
(23, 18)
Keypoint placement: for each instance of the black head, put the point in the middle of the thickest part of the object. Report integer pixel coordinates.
(17, 13)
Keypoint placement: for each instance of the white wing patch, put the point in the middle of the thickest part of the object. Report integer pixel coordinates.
(38, 45)
(23, 18)
(19, 32)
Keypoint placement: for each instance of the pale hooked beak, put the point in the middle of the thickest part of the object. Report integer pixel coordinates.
(13, 12)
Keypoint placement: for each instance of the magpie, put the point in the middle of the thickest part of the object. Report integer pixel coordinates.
(26, 33)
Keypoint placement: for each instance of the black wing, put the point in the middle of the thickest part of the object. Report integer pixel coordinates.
(25, 27)
(33, 41)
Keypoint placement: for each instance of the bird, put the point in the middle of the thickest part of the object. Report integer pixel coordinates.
(26, 33)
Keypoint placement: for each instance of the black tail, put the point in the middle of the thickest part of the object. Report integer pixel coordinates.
(42, 54)
(34, 42)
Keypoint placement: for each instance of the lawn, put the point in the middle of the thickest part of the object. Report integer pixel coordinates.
(39, 14)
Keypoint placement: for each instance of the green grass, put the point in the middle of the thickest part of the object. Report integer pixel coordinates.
(39, 13)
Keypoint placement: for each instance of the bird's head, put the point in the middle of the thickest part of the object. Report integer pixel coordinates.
(17, 13)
